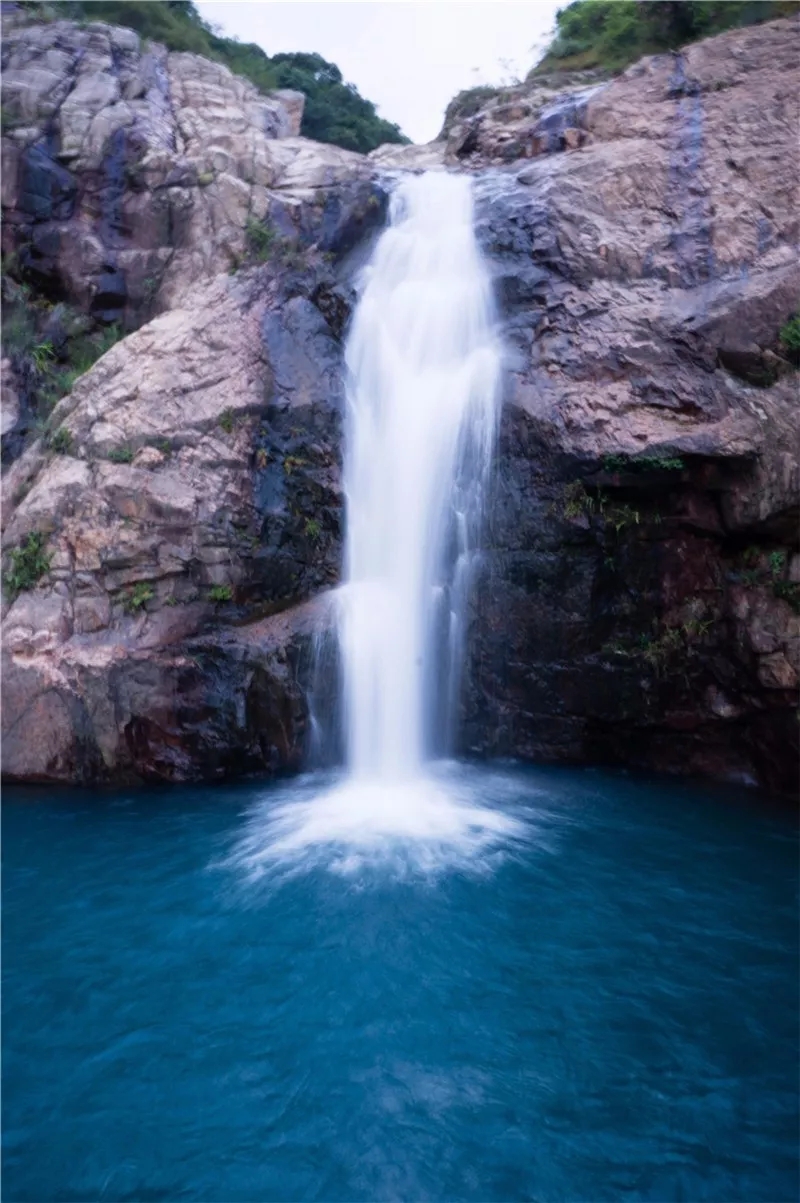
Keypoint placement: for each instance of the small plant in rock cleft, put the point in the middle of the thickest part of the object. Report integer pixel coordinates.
(620, 516)
(312, 530)
(42, 355)
(137, 598)
(788, 591)
(577, 501)
(260, 239)
(656, 651)
(789, 338)
(28, 563)
(220, 593)
(121, 455)
(61, 441)
(292, 462)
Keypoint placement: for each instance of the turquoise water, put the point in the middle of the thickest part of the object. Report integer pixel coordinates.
(601, 1002)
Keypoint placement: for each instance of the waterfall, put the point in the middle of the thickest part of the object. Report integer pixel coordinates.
(423, 362)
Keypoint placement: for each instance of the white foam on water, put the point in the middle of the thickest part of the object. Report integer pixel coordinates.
(418, 826)
(423, 364)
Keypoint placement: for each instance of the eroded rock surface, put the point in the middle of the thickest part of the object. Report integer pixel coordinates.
(639, 592)
(130, 174)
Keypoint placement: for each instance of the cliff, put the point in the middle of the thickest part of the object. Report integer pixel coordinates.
(172, 524)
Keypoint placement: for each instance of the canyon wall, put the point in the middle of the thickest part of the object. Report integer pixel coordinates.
(172, 525)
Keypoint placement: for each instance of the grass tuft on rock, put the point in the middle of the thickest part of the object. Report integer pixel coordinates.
(789, 338)
(220, 593)
(61, 441)
(137, 598)
(28, 563)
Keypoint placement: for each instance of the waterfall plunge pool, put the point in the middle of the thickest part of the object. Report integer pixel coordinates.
(587, 990)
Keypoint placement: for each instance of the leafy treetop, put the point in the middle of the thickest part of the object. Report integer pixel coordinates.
(610, 34)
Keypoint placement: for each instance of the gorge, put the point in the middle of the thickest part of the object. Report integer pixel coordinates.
(173, 527)
(388, 539)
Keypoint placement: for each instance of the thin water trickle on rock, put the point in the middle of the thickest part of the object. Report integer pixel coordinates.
(423, 363)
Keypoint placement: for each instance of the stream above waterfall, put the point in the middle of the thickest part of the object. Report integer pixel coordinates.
(598, 1002)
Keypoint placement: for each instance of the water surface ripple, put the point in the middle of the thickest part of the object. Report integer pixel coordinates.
(606, 1008)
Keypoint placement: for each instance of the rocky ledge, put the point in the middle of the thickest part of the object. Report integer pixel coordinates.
(173, 527)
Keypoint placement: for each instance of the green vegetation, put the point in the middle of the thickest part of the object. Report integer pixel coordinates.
(610, 34)
(61, 441)
(468, 103)
(19, 329)
(85, 350)
(7, 119)
(27, 564)
(658, 648)
(312, 530)
(292, 462)
(576, 500)
(334, 111)
(42, 356)
(50, 345)
(770, 571)
(259, 239)
(620, 516)
(263, 245)
(788, 591)
(138, 597)
(220, 593)
(79, 355)
(121, 455)
(642, 463)
(790, 339)
(226, 420)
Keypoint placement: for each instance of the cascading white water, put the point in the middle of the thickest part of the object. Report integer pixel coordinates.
(423, 360)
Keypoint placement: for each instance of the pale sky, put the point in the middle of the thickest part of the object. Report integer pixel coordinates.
(409, 57)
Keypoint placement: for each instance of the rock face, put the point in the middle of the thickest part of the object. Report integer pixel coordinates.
(126, 168)
(638, 601)
(639, 593)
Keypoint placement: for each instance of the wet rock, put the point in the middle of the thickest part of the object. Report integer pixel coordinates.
(168, 508)
(636, 601)
(129, 172)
